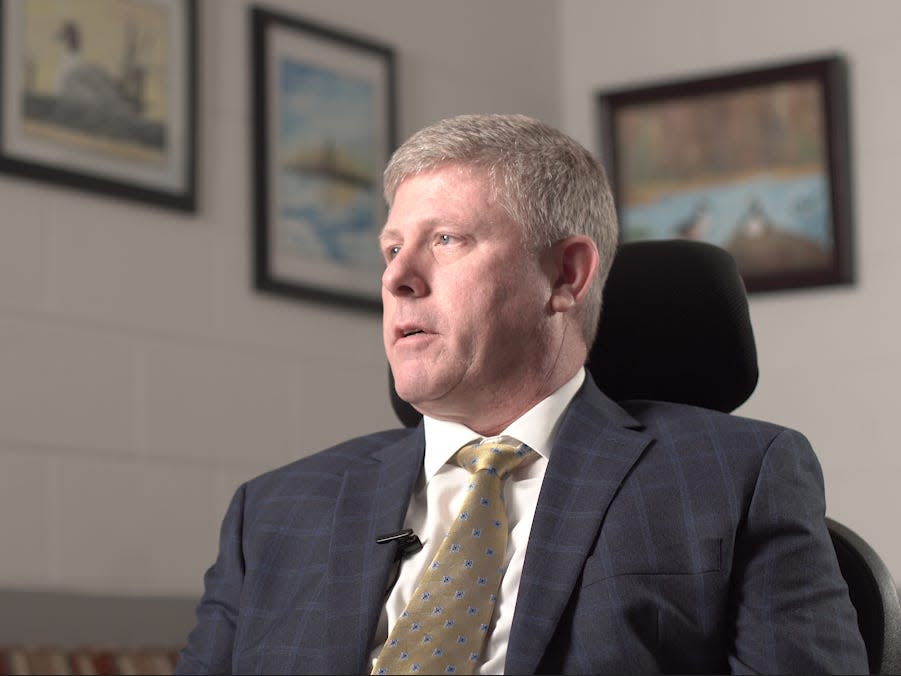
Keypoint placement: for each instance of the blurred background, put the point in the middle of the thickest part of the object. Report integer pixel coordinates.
(142, 378)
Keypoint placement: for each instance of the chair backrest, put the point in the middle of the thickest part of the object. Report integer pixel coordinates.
(675, 327)
(874, 596)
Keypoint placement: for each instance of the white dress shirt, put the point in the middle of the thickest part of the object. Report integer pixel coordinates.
(439, 494)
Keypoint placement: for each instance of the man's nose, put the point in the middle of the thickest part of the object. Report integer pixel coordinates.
(404, 275)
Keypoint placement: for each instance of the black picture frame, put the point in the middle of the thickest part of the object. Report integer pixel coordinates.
(323, 130)
(102, 97)
(757, 161)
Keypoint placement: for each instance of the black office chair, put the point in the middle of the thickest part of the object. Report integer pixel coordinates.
(874, 595)
(676, 327)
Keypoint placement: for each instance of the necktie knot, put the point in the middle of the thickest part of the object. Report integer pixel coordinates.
(498, 456)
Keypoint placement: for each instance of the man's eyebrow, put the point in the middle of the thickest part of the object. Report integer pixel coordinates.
(389, 233)
(426, 225)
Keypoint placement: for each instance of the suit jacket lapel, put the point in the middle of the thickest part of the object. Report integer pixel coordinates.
(373, 500)
(594, 451)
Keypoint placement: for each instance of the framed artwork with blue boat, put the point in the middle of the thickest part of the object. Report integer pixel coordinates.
(755, 161)
(323, 131)
(100, 95)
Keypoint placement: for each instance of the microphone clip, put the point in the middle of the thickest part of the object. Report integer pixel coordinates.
(407, 542)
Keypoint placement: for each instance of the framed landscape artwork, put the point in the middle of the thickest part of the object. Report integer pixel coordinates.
(757, 162)
(100, 95)
(323, 131)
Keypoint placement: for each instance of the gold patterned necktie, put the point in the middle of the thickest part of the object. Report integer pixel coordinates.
(445, 624)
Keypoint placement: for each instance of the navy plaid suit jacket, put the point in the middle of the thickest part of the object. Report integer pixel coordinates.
(666, 538)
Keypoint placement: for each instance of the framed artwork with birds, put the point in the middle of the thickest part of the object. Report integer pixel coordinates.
(100, 95)
(756, 161)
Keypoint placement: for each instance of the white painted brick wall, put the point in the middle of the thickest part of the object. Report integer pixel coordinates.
(64, 386)
(214, 403)
(25, 520)
(21, 248)
(139, 269)
(142, 378)
(134, 523)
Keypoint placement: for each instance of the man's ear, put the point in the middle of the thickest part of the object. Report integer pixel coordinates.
(574, 262)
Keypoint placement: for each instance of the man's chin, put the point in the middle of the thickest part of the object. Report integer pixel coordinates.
(421, 396)
(412, 395)
(437, 407)
(429, 393)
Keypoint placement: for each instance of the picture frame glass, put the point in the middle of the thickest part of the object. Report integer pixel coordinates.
(326, 131)
(749, 164)
(98, 94)
(328, 112)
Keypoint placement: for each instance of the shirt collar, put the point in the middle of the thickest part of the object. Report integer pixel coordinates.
(536, 428)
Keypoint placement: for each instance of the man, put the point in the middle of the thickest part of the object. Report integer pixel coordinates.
(640, 537)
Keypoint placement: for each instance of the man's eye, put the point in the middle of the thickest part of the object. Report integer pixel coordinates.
(393, 251)
(446, 239)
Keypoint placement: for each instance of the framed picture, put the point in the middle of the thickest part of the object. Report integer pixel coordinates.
(100, 95)
(324, 129)
(757, 162)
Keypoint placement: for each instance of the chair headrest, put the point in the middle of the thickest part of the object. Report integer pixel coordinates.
(675, 327)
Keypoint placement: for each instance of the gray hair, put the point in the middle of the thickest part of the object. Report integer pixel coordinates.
(542, 178)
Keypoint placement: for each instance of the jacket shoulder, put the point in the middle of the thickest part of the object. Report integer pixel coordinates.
(330, 463)
(654, 415)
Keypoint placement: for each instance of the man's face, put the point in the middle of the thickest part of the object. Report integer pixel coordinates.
(466, 319)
